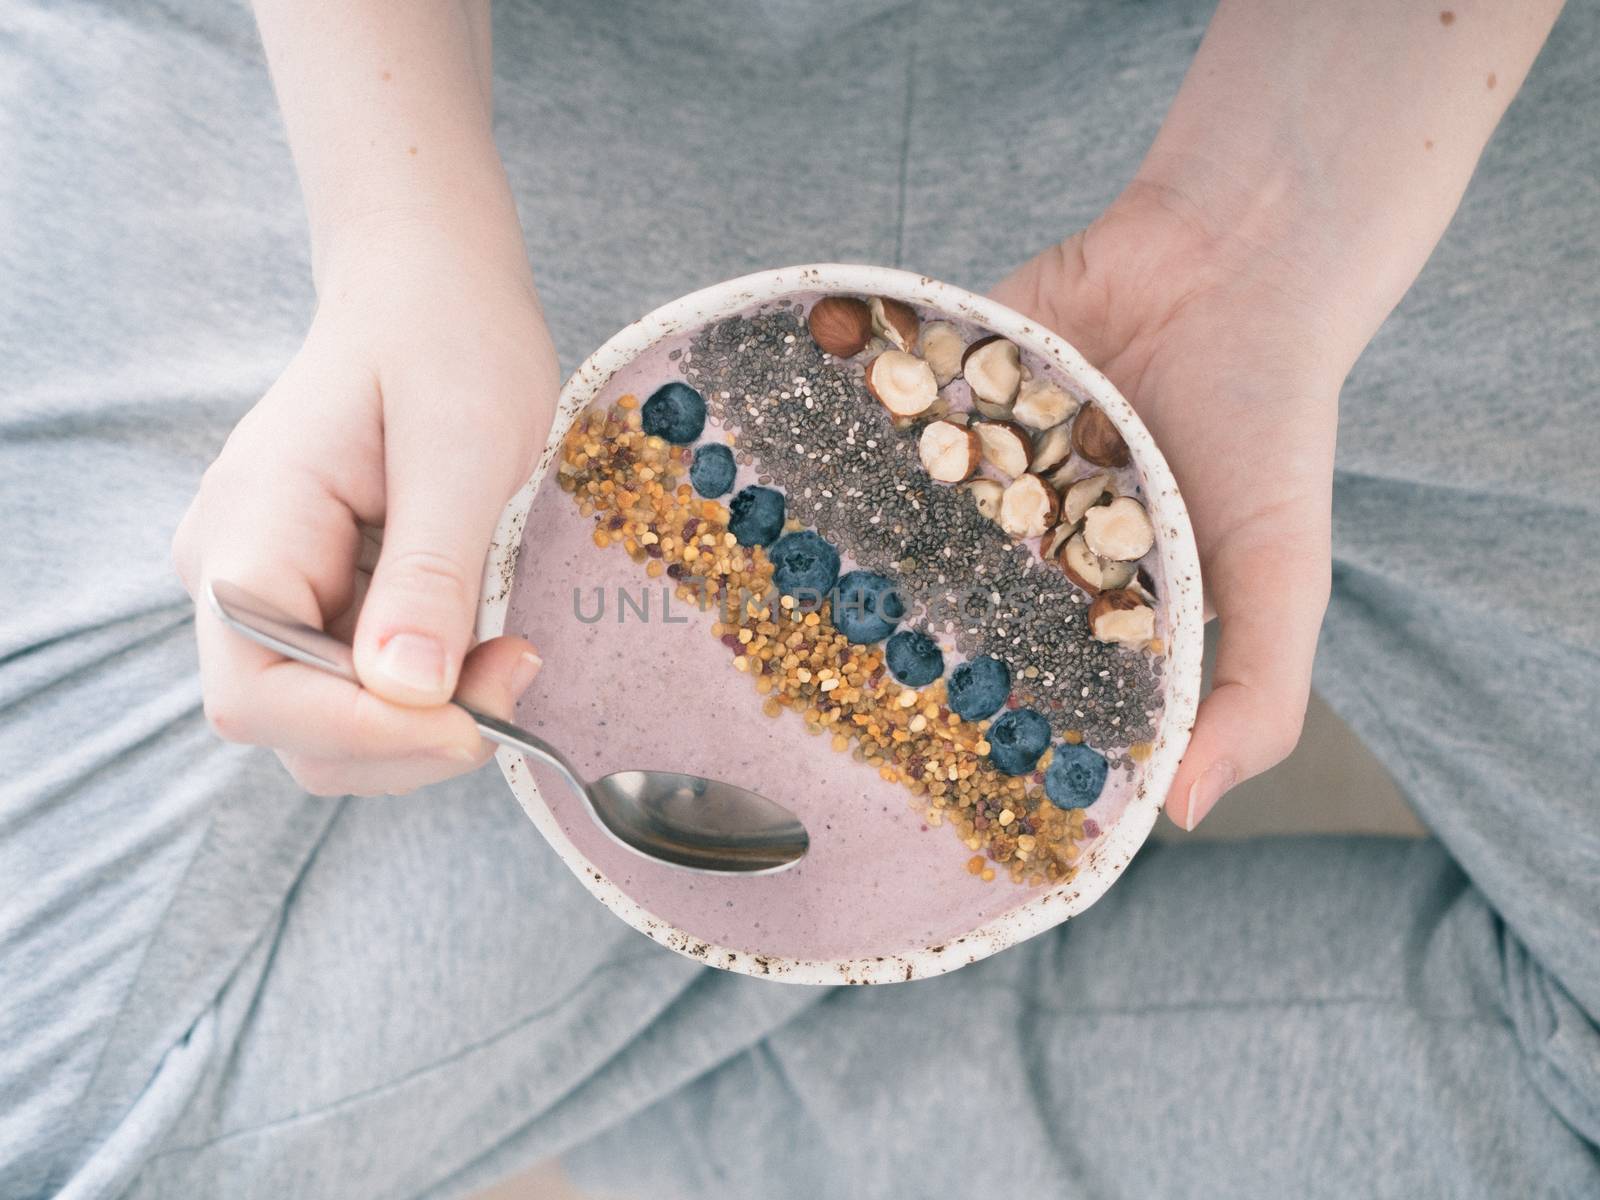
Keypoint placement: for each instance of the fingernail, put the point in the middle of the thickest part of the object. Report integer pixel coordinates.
(1207, 790)
(413, 660)
(522, 675)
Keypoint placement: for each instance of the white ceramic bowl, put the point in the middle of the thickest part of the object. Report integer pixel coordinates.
(1180, 568)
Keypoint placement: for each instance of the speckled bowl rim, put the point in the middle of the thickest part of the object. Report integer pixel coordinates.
(1179, 561)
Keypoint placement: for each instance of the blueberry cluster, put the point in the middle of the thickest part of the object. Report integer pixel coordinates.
(867, 608)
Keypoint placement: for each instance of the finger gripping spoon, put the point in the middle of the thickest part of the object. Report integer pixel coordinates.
(682, 820)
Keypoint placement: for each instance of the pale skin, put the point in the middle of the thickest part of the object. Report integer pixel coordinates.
(1304, 173)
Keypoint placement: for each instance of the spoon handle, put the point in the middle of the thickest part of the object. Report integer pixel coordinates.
(518, 738)
(266, 624)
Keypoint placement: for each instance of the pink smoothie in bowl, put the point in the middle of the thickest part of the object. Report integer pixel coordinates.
(1049, 600)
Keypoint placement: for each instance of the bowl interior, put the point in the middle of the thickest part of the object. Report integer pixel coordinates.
(634, 677)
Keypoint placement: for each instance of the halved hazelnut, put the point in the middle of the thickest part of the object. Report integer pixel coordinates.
(1050, 545)
(992, 368)
(841, 325)
(1061, 477)
(1120, 531)
(1147, 582)
(1028, 507)
(902, 383)
(986, 494)
(1088, 570)
(1005, 445)
(991, 412)
(949, 452)
(1095, 438)
(894, 321)
(1085, 493)
(942, 347)
(1123, 617)
(1052, 448)
(1041, 404)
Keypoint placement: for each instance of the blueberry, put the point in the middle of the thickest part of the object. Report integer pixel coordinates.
(804, 565)
(913, 657)
(866, 607)
(755, 516)
(711, 472)
(1016, 740)
(1075, 776)
(676, 412)
(978, 687)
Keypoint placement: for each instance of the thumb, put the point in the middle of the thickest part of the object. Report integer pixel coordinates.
(1252, 717)
(417, 620)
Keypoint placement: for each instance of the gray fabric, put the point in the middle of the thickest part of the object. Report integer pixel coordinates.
(211, 984)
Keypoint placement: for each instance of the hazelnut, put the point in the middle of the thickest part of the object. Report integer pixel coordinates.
(986, 493)
(1050, 545)
(1096, 439)
(992, 368)
(942, 347)
(902, 383)
(1005, 445)
(939, 410)
(1120, 531)
(991, 412)
(1085, 493)
(1028, 507)
(841, 325)
(894, 321)
(949, 452)
(1145, 582)
(1123, 617)
(1052, 448)
(1088, 570)
(1061, 477)
(1043, 405)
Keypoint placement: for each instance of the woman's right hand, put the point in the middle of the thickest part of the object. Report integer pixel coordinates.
(1235, 366)
(417, 406)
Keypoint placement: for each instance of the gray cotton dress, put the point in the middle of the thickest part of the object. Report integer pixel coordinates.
(212, 984)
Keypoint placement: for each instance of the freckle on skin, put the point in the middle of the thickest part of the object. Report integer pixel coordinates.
(412, 150)
(1446, 17)
(1491, 81)
(387, 76)
(1428, 145)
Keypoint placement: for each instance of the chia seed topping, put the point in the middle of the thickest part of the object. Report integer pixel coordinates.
(806, 421)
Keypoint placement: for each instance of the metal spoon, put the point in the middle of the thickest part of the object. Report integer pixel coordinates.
(683, 820)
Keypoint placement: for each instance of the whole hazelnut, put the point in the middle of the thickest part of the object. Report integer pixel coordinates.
(841, 325)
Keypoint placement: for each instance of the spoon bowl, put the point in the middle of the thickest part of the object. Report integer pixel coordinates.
(685, 821)
(699, 823)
